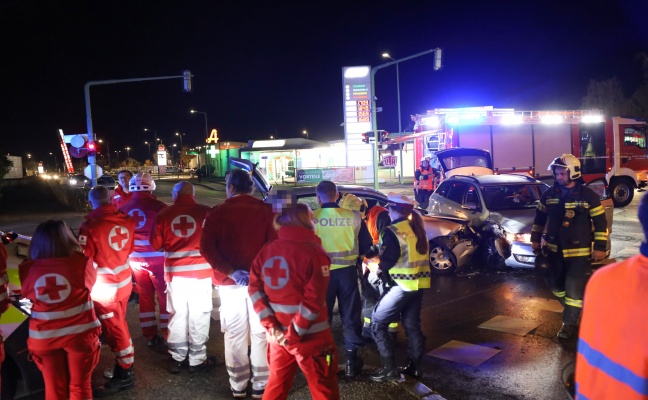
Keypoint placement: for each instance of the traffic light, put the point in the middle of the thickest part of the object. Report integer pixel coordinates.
(92, 147)
(366, 136)
(186, 79)
(438, 59)
(382, 136)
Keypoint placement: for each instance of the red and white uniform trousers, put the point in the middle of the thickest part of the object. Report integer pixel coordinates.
(148, 270)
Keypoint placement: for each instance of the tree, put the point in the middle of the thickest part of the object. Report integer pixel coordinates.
(607, 96)
(5, 165)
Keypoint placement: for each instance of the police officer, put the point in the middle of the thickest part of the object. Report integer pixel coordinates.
(424, 182)
(345, 238)
(404, 269)
(568, 210)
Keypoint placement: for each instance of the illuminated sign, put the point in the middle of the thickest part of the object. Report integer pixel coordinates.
(213, 137)
(357, 96)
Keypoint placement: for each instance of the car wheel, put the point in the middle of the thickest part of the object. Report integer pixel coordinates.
(490, 257)
(442, 260)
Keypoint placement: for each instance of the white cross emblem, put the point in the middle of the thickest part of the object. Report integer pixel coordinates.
(139, 217)
(52, 288)
(183, 226)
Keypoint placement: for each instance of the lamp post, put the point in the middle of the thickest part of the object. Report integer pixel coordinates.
(180, 135)
(127, 152)
(155, 137)
(305, 132)
(107, 150)
(206, 137)
(374, 121)
(400, 130)
(117, 151)
(173, 147)
(55, 162)
(149, 147)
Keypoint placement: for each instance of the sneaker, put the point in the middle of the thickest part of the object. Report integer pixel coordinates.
(109, 372)
(257, 393)
(174, 366)
(206, 365)
(238, 394)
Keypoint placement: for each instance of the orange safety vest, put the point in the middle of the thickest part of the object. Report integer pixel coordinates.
(372, 217)
(425, 184)
(612, 347)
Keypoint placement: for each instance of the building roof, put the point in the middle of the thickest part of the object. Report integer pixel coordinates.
(283, 144)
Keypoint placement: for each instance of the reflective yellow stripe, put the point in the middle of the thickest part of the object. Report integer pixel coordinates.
(582, 252)
(573, 302)
(577, 204)
(552, 247)
(600, 235)
(537, 228)
(412, 270)
(597, 211)
(553, 201)
(559, 294)
(338, 228)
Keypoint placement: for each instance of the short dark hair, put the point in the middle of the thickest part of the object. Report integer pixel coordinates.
(327, 191)
(241, 180)
(125, 171)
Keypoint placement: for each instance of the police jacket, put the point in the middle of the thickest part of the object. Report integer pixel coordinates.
(288, 284)
(233, 234)
(143, 207)
(568, 216)
(106, 237)
(424, 178)
(612, 359)
(407, 267)
(59, 289)
(177, 230)
(343, 233)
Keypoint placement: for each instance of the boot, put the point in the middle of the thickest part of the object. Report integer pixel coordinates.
(354, 363)
(412, 369)
(122, 379)
(388, 371)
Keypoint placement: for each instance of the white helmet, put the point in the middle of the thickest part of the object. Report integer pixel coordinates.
(142, 182)
(425, 159)
(567, 161)
(352, 202)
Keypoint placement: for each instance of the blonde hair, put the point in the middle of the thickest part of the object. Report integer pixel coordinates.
(298, 215)
(53, 239)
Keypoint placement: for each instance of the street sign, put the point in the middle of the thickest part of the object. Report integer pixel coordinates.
(78, 152)
(389, 161)
(87, 171)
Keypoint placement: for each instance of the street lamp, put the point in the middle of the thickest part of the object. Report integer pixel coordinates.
(374, 121)
(206, 137)
(180, 135)
(127, 152)
(55, 162)
(400, 131)
(305, 132)
(117, 151)
(174, 145)
(271, 137)
(149, 147)
(155, 134)
(107, 150)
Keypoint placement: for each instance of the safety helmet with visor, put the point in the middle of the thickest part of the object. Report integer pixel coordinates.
(352, 202)
(141, 182)
(569, 162)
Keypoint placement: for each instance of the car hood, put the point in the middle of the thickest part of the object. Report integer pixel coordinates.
(465, 161)
(514, 221)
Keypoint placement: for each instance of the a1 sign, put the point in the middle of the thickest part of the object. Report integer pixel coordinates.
(389, 161)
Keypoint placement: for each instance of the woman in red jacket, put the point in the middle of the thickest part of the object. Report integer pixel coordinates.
(288, 283)
(63, 328)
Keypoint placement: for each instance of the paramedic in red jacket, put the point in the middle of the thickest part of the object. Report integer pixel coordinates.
(147, 264)
(233, 234)
(288, 285)
(177, 231)
(121, 195)
(4, 294)
(63, 327)
(106, 236)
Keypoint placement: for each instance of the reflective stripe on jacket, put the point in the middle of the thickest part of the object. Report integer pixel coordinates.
(338, 229)
(426, 179)
(612, 359)
(412, 270)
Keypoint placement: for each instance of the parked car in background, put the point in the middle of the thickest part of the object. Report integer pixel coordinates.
(107, 181)
(79, 181)
(452, 240)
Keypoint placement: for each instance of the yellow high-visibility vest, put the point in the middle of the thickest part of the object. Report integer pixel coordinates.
(412, 270)
(338, 228)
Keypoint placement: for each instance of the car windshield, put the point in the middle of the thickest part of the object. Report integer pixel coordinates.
(512, 196)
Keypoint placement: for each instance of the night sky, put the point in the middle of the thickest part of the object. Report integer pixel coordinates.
(275, 68)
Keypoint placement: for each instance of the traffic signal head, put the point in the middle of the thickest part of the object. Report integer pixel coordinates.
(366, 136)
(186, 79)
(92, 147)
(383, 136)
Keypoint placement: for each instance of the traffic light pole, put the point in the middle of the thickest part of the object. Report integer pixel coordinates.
(92, 157)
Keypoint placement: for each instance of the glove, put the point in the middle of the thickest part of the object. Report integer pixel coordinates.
(241, 277)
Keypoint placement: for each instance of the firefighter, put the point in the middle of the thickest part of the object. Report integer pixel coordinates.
(568, 210)
(177, 230)
(63, 327)
(122, 194)
(4, 295)
(424, 178)
(106, 237)
(288, 284)
(147, 264)
(613, 320)
(345, 238)
(404, 270)
(233, 234)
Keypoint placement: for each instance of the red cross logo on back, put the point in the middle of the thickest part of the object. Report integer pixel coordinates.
(183, 226)
(52, 288)
(118, 237)
(275, 272)
(139, 217)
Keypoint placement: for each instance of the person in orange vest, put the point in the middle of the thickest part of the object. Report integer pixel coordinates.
(424, 177)
(612, 354)
(288, 287)
(63, 327)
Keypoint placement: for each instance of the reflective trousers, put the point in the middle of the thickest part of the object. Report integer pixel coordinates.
(115, 331)
(238, 323)
(189, 301)
(394, 304)
(67, 371)
(567, 278)
(149, 276)
(316, 355)
(343, 286)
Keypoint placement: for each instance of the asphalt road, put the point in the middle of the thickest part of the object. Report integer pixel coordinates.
(526, 367)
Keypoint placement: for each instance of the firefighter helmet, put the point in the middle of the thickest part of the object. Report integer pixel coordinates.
(567, 161)
(142, 182)
(352, 202)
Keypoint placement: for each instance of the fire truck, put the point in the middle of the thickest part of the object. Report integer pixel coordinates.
(527, 141)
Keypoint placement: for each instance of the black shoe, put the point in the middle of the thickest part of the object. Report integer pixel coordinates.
(174, 366)
(567, 331)
(257, 393)
(206, 365)
(156, 340)
(123, 379)
(133, 299)
(412, 370)
(354, 364)
(386, 374)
